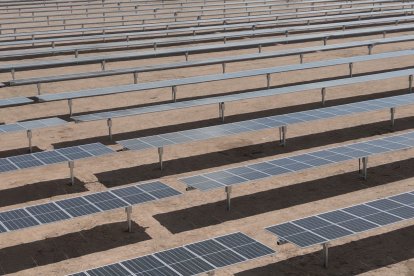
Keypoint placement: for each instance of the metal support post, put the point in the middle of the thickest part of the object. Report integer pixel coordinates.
(370, 49)
(392, 111)
(71, 165)
(155, 46)
(260, 49)
(38, 85)
(135, 77)
(103, 65)
(410, 83)
(76, 53)
(13, 71)
(70, 104)
(325, 41)
(174, 93)
(109, 123)
(323, 93)
(223, 65)
(325, 254)
(282, 135)
(186, 56)
(268, 78)
(301, 58)
(351, 66)
(29, 136)
(364, 167)
(221, 111)
(228, 194)
(128, 211)
(160, 153)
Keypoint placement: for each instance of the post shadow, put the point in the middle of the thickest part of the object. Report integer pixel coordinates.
(52, 250)
(40, 190)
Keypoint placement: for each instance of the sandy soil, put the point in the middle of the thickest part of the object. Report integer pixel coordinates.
(83, 243)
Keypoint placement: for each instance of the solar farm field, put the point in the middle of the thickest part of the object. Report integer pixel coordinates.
(190, 137)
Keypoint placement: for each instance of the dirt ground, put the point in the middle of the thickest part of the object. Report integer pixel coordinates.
(83, 243)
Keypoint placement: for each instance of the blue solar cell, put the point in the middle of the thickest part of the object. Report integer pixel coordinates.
(311, 223)
(332, 232)
(109, 270)
(336, 216)
(106, 201)
(6, 165)
(77, 206)
(403, 212)
(360, 210)
(17, 219)
(50, 157)
(133, 195)
(253, 250)
(48, 212)
(357, 225)
(285, 229)
(305, 239)
(25, 161)
(382, 218)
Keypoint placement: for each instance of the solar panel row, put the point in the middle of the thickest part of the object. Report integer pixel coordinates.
(14, 101)
(336, 224)
(238, 13)
(207, 37)
(237, 97)
(197, 49)
(161, 140)
(190, 259)
(197, 23)
(85, 205)
(212, 77)
(52, 157)
(296, 163)
(227, 28)
(32, 124)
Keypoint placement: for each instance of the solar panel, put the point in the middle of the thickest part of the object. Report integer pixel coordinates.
(191, 259)
(216, 77)
(229, 98)
(52, 157)
(221, 28)
(196, 49)
(279, 166)
(65, 209)
(14, 101)
(208, 37)
(347, 221)
(209, 20)
(194, 22)
(200, 134)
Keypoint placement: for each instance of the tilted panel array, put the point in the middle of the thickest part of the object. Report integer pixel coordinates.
(217, 77)
(219, 28)
(197, 49)
(348, 221)
(296, 163)
(241, 96)
(32, 124)
(190, 259)
(202, 38)
(85, 205)
(179, 137)
(52, 157)
(14, 101)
